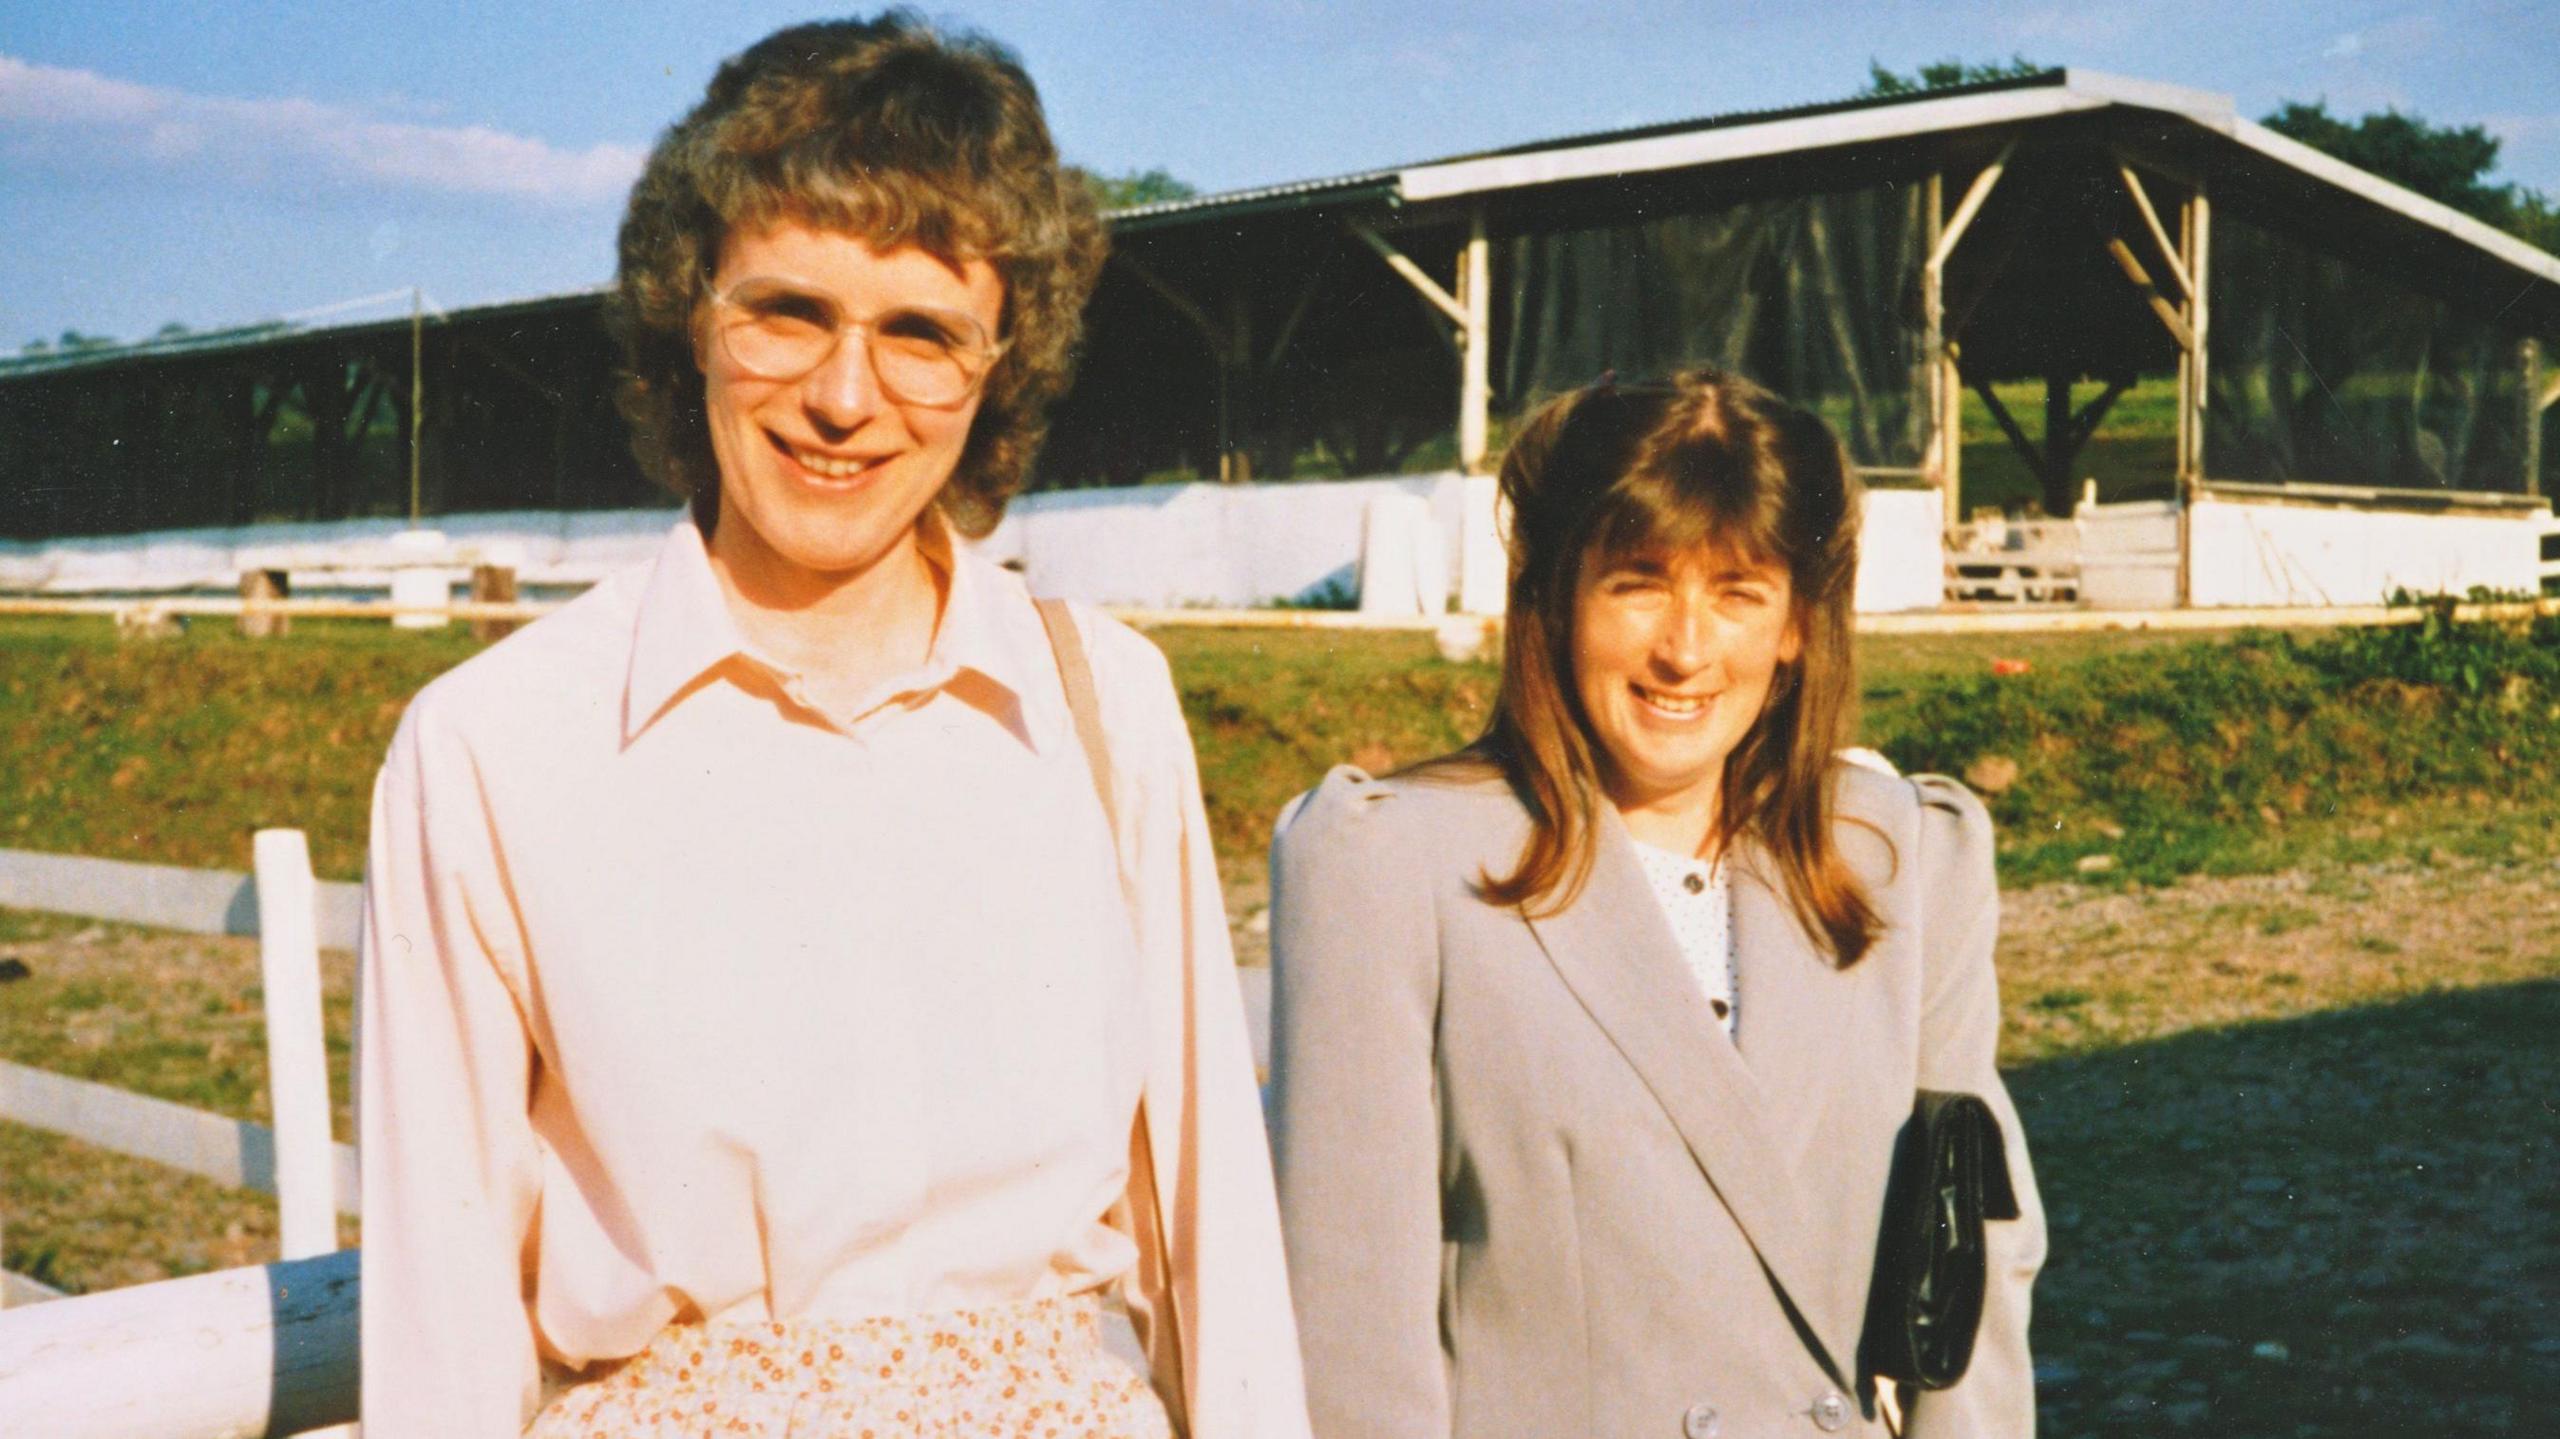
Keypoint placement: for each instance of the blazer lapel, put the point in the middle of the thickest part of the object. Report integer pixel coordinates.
(1616, 952)
(1786, 1012)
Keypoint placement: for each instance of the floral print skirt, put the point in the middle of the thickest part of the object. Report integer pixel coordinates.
(1034, 1370)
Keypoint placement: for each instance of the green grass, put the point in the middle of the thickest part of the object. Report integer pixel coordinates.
(2166, 755)
(2133, 455)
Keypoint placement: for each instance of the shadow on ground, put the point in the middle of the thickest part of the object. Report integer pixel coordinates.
(2342, 1224)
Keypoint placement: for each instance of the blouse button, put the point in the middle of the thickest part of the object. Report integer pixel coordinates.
(1694, 883)
(1701, 1422)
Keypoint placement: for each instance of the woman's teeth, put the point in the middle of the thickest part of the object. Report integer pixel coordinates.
(1672, 704)
(831, 467)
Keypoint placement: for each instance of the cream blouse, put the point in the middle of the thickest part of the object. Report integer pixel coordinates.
(1696, 896)
(683, 999)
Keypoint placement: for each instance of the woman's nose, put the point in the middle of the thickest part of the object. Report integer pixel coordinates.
(843, 390)
(1690, 639)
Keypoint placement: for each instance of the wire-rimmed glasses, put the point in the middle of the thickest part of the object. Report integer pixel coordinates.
(921, 354)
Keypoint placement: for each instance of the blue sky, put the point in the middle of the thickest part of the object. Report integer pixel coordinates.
(221, 164)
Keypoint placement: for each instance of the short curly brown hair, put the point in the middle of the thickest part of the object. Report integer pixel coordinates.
(890, 131)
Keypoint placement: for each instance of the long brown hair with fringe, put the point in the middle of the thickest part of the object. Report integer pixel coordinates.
(1706, 460)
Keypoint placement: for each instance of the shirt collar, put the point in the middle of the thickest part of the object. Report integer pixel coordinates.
(989, 648)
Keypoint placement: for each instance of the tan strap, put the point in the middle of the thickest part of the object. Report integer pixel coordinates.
(1075, 672)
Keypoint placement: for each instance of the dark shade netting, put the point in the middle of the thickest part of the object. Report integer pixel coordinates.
(2324, 372)
(519, 416)
(1816, 296)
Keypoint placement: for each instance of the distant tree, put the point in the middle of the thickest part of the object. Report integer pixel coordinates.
(2441, 162)
(36, 347)
(73, 342)
(2537, 219)
(171, 331)
(1881, 81)
(1136, 187)
(2447, 164)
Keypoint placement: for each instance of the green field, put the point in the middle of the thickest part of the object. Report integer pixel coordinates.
(2282, 1057)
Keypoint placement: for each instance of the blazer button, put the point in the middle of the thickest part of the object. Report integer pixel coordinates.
(1701, 1422)
(1830, 1412)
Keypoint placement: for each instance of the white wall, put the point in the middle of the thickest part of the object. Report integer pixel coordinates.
(1902, 559)
(550, 547)
(1227, 546)
(2268, 554)
(1158, 546)
(2128, 554)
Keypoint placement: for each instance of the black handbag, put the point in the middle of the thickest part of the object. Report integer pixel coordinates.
(1950, 1173)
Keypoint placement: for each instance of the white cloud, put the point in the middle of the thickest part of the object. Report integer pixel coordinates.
(79, 119)
(2345, 47)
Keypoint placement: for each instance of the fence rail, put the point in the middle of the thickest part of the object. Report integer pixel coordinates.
(254, 1351)
(1951, 619)
(163, 896)
(268, 1349)
(234, 1153)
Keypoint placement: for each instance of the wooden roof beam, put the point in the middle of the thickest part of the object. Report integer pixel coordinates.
(1971, 205)
(2159, 233)
(2160, 305)
(1414, 275)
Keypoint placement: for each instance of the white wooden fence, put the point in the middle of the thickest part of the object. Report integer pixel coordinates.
(263, 1350)
(269, 1349)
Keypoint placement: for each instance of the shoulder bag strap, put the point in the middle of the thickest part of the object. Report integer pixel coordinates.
(1076, 673)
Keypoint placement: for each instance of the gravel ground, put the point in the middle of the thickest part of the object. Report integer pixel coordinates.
(2296, 1134)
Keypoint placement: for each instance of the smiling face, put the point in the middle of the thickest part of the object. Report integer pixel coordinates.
(1673, 658)
(823, 477)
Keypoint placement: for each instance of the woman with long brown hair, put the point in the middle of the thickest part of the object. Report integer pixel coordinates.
(1592, 1041)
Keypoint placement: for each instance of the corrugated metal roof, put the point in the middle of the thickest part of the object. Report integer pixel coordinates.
(1705, 139)
(1260, 197)
(1311, 192)
(270, 332)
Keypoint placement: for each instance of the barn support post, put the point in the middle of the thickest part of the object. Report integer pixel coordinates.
(2529, 355)
(417, 390)
(1950, 383)
(1470, 311)
(1938, 459)
(1475, 384)
(2196, 227)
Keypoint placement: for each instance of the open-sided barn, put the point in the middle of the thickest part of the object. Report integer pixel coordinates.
(2348, 379)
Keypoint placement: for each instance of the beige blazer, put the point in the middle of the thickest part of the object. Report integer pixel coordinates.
(1528, 1184)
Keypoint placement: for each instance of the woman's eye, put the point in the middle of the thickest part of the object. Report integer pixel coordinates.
(787, 308)
(914, 327)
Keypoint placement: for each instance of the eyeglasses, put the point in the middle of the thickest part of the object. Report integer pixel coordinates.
(921, 354)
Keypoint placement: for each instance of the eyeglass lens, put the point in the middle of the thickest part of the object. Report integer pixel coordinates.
(921, 353)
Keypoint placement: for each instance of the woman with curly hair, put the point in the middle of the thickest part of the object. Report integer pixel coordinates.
(794, 981)
(1591, 1043)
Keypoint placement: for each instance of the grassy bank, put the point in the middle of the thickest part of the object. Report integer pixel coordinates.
(2236, 757)
(2119, 756)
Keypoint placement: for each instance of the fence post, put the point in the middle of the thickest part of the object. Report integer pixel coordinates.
(297, 1056)
(493, 583)
(259, 586)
